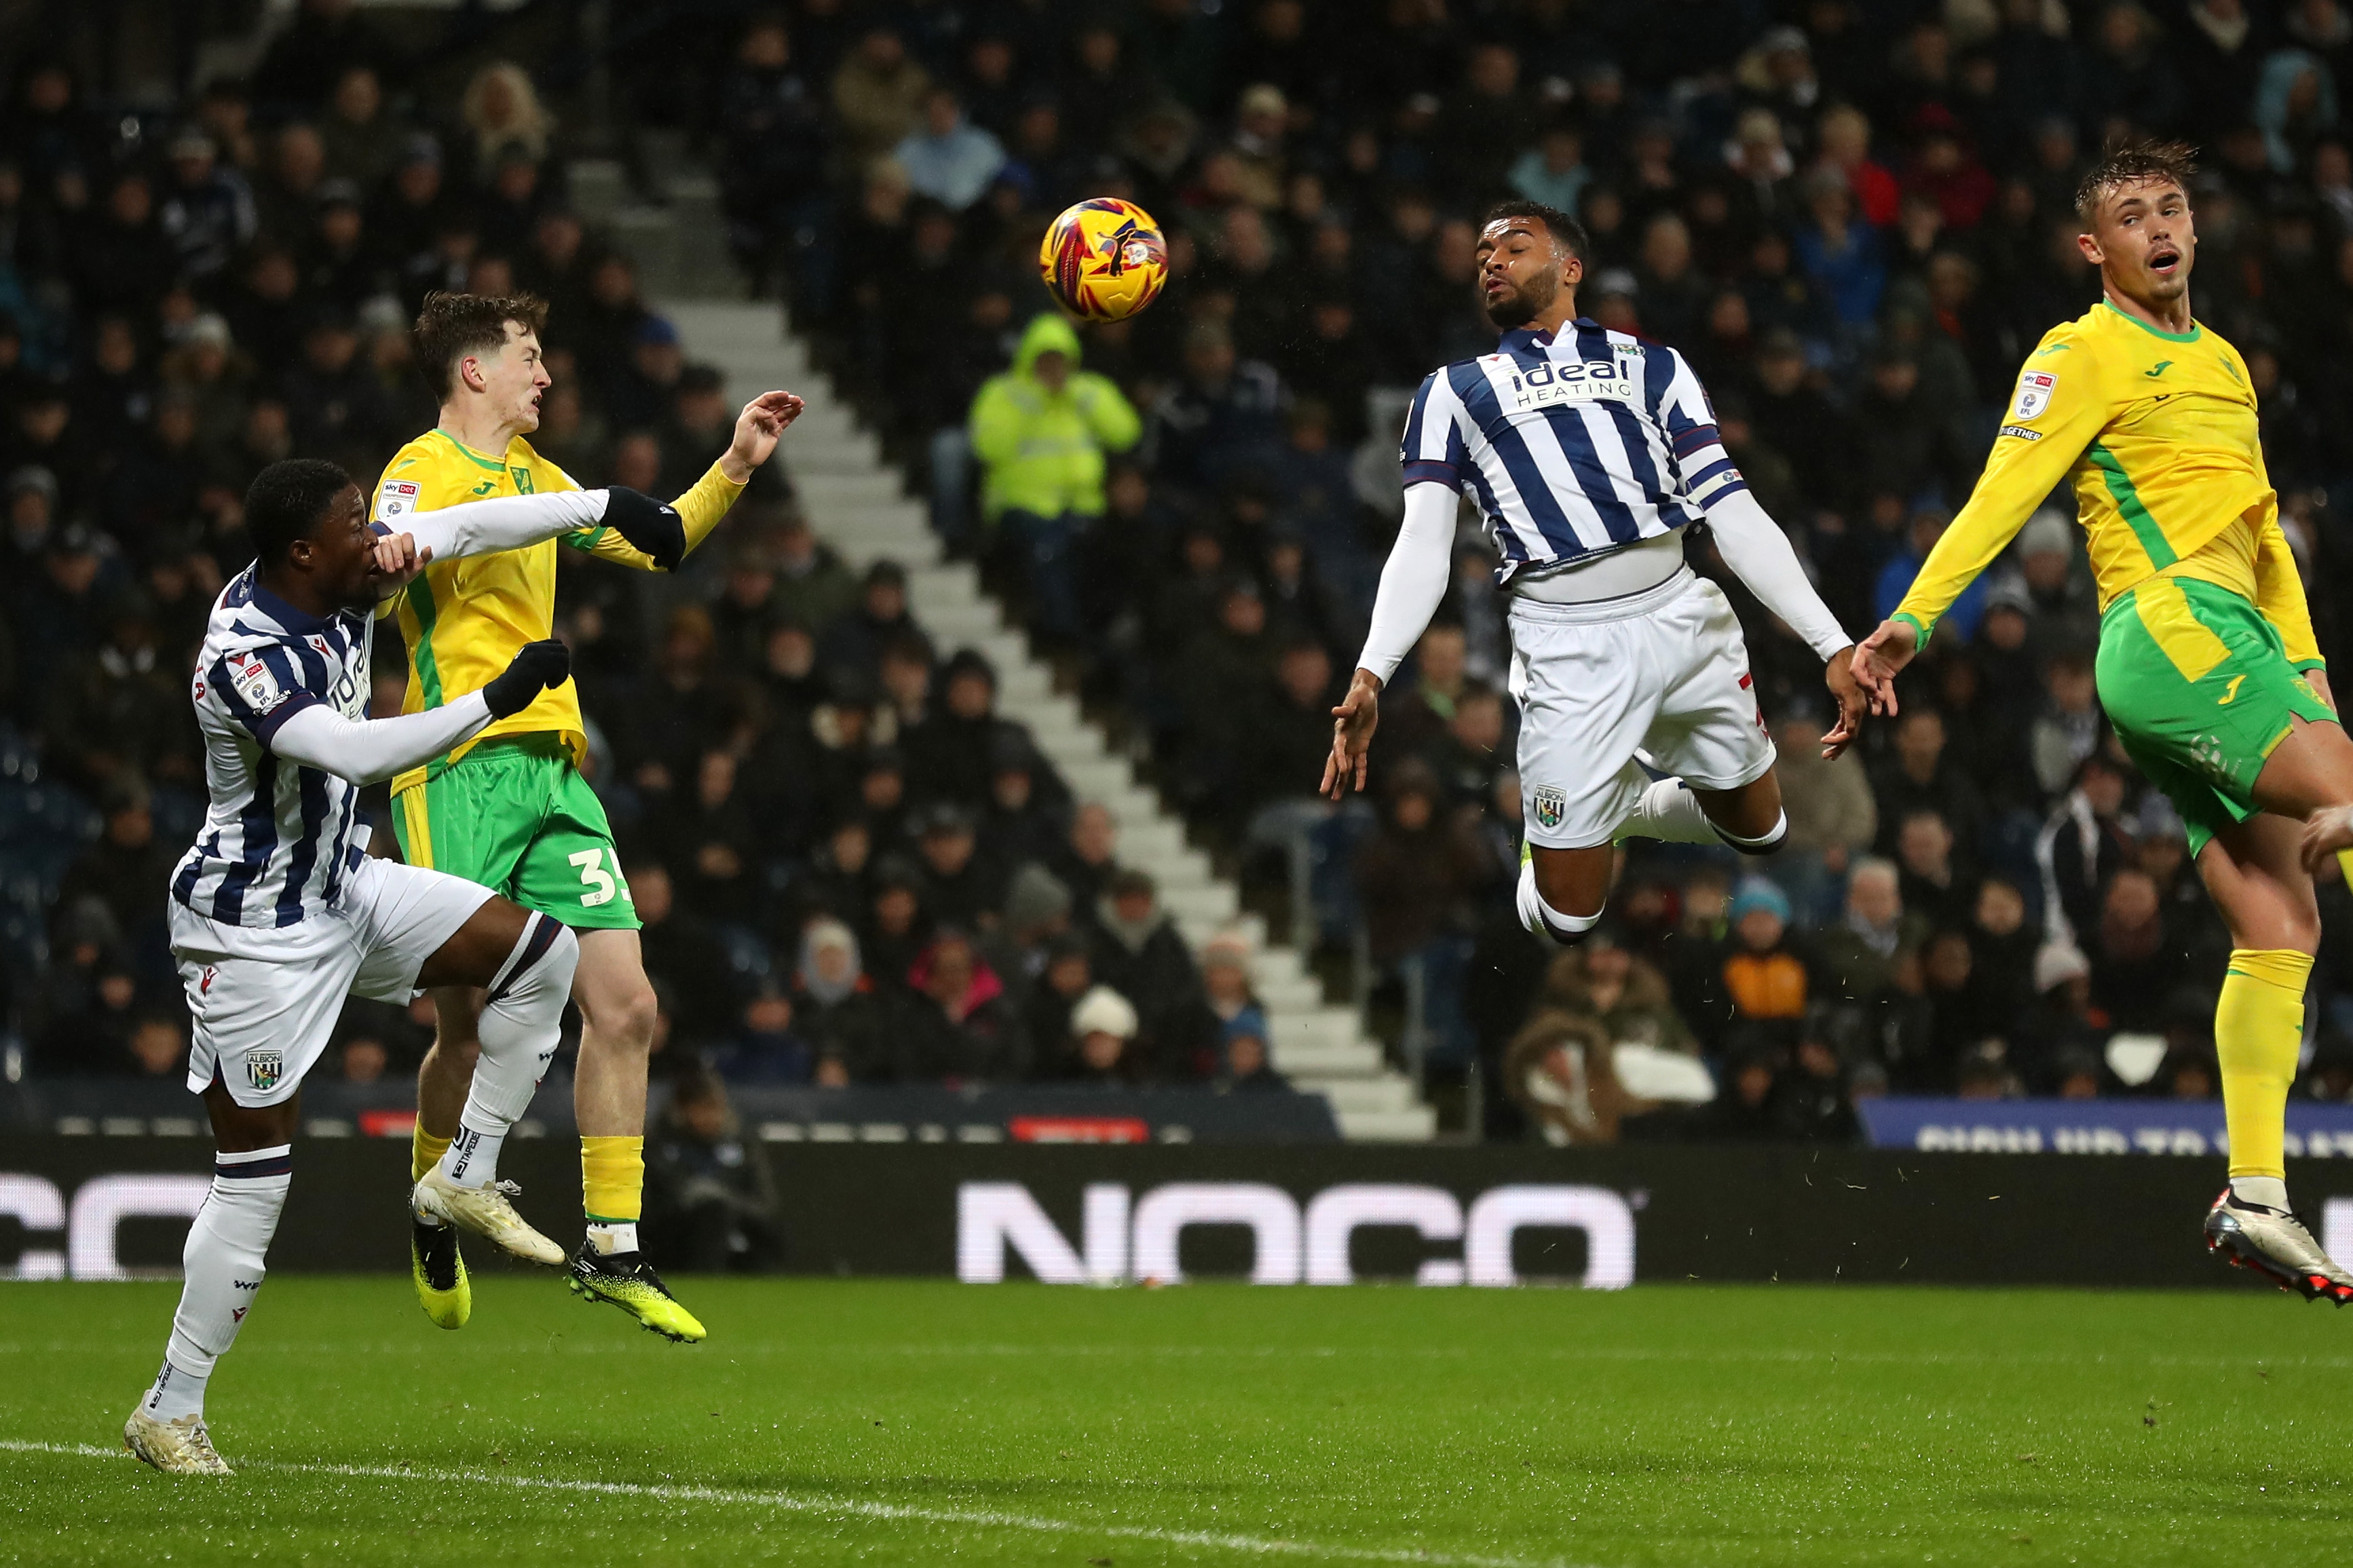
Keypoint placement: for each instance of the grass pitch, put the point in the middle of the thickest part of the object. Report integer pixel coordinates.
(914, 1422)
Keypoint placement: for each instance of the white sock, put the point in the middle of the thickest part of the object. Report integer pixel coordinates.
(472, 1158)
(1668, 811)
(224, 1264)
(518, 1031)
(1542, 918)
(174, 1394)
(2269, 1191)
(612, 1239)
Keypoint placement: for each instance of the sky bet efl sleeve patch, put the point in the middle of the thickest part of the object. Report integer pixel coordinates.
(2034, 391)
(398, 498)
(254, 686)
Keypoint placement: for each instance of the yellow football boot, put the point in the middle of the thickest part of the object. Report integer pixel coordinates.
(629, 1282)
(440, 1269)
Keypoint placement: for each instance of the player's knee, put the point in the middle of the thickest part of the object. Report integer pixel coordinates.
(1540, 916)
(1765, 843)
(622, 1018)
(456, 1018)
(456, 1055)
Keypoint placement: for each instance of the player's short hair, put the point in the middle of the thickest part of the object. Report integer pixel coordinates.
(286, 502)
(1566, 232)
(452, 326)
(2130, 163)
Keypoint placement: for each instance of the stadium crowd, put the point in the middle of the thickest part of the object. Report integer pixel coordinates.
(1853, 218)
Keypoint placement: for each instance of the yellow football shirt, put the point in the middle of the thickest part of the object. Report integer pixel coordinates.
(463, 620)
(2156, 431)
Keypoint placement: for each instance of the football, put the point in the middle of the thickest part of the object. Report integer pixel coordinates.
(1103, 258)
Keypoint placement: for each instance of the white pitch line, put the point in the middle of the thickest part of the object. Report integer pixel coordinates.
(788, 1503)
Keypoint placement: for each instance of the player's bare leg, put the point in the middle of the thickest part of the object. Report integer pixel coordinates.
(1562, 890)
(617, 1034)
(2256, 873)
(224, 1263)
(1749, 818)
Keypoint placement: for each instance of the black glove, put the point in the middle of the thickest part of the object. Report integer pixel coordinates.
(653, 526)
(537, 667)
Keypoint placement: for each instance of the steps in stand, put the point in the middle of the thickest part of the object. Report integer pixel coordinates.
(858, 505)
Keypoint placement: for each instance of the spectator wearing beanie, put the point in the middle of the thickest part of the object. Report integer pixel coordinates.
(1138, 952)
(1764, 979)
(1246, 1063)
(1036, 915)
(1098, 1047)
(836, 1006)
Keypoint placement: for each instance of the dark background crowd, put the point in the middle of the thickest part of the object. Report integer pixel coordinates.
(1854, 219)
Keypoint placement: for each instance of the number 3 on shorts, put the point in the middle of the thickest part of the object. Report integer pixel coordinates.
(599, 883)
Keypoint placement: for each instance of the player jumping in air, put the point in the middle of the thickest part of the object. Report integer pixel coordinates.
(2207, 665)
(278, 912)
(510, 810)
(1589, 451)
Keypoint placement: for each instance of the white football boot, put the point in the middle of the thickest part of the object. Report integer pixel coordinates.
(2276, 1244)
(176, 1448)
(489, 1212)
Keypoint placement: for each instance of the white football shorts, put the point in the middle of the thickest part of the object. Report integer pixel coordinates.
(265, 1002)
(1661, 676)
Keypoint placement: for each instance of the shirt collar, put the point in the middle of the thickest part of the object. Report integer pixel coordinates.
(1529, 341)
(301, 622)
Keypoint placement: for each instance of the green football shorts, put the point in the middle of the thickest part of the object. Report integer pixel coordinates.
(515, 815)
(2200, 690)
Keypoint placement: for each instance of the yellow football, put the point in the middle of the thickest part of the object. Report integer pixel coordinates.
(1103, 258)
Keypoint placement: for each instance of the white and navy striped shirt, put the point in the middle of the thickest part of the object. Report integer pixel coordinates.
(278, 839)
(1575, 445)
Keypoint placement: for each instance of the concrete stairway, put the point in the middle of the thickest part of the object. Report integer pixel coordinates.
(855, 502)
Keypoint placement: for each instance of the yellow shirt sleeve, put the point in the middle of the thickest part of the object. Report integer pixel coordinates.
(700, 507)
(2058, 410)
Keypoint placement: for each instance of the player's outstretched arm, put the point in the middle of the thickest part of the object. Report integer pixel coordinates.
(758, 428)
(407, 540)
(1413, 583)
(367, 750)
(1761, 556)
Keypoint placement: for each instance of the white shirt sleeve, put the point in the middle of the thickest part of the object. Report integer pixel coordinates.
(484, 527)
(1751, 542)
(367, 750)
(1415, 579)
(1760, 555)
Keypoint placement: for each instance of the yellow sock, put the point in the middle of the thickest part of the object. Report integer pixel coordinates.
(2345, 865)
(612, 1179)
(425, 1152)
(2258, 1032)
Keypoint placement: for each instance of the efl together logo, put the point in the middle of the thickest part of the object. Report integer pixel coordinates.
(1124, 1238)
